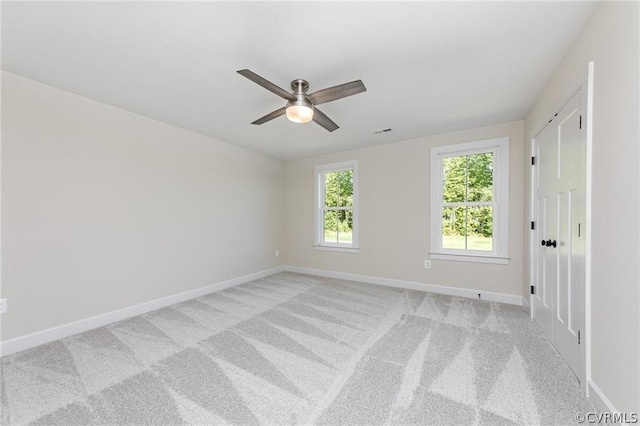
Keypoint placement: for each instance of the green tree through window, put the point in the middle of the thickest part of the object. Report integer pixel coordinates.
(338, 207)
(467, 202)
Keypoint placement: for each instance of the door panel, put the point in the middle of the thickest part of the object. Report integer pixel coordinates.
(550, 258)
(563, 292)
(542, 303)
(565, 335)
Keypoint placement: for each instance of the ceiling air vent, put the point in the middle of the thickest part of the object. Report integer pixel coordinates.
(388, 129)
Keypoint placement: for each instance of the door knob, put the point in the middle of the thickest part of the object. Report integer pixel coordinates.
(550, 243)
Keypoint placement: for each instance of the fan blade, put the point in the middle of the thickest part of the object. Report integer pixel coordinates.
(267, 84)
(320, 118)
(336, 92)
(275, 114)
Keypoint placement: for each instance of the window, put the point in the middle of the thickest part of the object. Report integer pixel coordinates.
(337, 206)
(470, 201)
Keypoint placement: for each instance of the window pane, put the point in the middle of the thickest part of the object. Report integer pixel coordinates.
(345, 226)
(480, 228)
(346, 188)
(454, 179)
(454, 228)
(480, 177)
(331, 189)
(338, 226)
(338, 188)
(331, 226)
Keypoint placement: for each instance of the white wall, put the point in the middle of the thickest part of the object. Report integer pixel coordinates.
(104, 209)
(611, 40)
(394, 215)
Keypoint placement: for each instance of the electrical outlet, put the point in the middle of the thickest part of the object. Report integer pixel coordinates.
(277, 252)
(3, 306)
(427, 264)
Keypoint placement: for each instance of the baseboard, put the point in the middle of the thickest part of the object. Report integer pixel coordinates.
(49, 335)
(411, 285)
(599, 399)
(526, 305)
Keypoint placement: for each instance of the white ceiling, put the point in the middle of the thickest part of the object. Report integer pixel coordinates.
(428, 67)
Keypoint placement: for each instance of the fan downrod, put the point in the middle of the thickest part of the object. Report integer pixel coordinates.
(299, 85)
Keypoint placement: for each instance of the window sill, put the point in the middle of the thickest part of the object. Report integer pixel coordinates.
(497, 260)
(352, 250)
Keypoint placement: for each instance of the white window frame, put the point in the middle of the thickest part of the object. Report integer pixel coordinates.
(320, 172)
(500, 149)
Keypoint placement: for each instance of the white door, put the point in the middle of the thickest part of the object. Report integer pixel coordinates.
(559, 232)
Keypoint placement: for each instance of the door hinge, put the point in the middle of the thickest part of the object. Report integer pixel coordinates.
(578, 336)
(533, 290)
(533, 161)
(533, 225)
(581, 122)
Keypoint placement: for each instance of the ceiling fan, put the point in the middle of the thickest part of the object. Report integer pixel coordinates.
(301, 106)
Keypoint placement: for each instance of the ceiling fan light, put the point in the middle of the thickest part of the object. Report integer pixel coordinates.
(300, 111)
